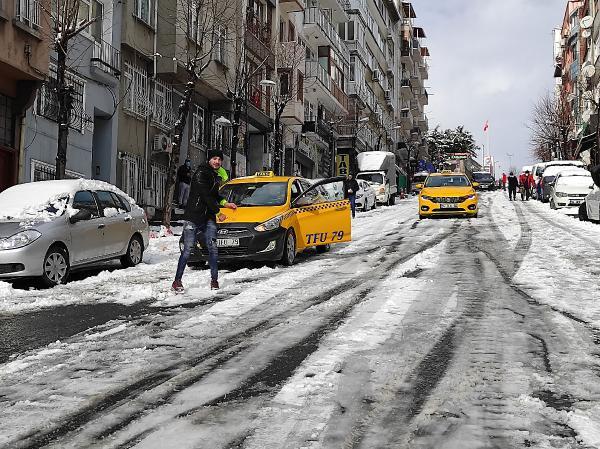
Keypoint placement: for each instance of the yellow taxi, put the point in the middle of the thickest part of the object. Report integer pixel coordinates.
(447, 194)
(279, 216)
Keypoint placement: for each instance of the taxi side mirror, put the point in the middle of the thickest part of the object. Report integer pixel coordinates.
(475, 184)
(418, 186)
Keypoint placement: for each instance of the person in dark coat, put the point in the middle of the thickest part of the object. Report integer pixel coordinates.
(201, 215)
(184, 177)
(350, 189)
(513, 183)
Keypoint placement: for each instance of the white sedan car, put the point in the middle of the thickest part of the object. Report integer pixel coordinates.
(570, 188)
(590, 208)
(366, 198)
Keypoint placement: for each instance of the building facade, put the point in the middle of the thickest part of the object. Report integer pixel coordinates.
(25, 37)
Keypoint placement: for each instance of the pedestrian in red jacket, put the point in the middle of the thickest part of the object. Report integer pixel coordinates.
(504, 178)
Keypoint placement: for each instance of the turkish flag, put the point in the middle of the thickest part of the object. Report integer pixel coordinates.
(485, 126)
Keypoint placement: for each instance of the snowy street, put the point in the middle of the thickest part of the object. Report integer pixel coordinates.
(436, 333)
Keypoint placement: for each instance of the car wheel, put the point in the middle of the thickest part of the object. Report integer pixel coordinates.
(421, 216)
(323, 248)
(56, 266)
(582, 213)
(289, 249)
(134, 254)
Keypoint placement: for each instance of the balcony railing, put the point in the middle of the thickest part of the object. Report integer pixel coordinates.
(258, 40)
(28, 12)
(405, 50)
(106, 57)
(316, 70)
(358, 48)
(315, 16)
(319, 127)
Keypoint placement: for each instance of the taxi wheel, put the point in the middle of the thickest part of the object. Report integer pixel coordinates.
(289, 250)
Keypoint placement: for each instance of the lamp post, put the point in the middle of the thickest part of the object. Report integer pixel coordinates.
(276, 125)
(385, 130)
(223, 123)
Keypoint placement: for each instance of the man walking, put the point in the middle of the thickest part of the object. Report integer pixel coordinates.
(350, 189)
(184, 175)
(513, 183)
(528, 184)
(201, 215)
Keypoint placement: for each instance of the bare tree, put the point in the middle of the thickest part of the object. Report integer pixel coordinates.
(289, 86)
(550, 124)
(66, 24)
(204, 26)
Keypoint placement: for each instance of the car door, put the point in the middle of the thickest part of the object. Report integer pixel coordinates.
(118, 223)
(87, 236)
(320, 219)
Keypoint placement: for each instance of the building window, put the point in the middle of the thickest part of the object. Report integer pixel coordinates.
(284, 82)
(352, 67)
(198, 125)
(219, 44)
(300, 86)
(309, 111)
(221, 138)
(163, 115)
(136, 90)
(7, 121)
(291, 32)
(96, 27)
(143, 10)
(28, 12)
(47, 101)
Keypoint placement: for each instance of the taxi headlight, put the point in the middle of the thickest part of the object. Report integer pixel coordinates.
(428, 198)
(269, 225)
(561, 194)
(20, 239)
(469, 197)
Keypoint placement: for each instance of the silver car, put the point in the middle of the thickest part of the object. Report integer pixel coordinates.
(48, 228)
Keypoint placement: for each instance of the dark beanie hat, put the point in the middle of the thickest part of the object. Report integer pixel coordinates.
(213, 153)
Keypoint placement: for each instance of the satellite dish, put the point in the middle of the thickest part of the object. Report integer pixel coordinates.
(588, 70)
(586, 22)
(586, 33)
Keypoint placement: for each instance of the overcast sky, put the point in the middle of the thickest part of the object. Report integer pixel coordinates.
(490, 60)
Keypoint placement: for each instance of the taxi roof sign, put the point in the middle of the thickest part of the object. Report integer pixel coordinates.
(264, 174)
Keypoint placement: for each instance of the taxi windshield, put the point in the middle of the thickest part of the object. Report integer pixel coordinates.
(447, 181)
(251, 194)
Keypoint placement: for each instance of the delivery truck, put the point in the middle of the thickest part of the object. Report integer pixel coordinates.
(380, 170)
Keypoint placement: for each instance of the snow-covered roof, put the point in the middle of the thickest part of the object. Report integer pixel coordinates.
(30, 200)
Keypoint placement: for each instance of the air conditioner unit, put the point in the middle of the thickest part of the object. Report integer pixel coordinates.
(162, 144)
(377, 76)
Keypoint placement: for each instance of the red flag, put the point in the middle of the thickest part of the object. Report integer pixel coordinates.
(485, 126)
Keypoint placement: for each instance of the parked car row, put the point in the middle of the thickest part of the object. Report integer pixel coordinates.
(568, 184)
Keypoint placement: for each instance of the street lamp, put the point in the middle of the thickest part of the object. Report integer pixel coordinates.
(510, 155)
(223, 123)
(383, 132)
(272, 84)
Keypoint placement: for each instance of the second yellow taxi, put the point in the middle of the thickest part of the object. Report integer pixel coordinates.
(448, 194)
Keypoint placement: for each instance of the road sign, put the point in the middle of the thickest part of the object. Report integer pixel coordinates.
(342, 164)
(458, 156)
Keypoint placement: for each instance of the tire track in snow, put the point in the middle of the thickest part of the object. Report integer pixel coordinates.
(176, 372)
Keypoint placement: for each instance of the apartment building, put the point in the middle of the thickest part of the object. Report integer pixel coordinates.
(94, 67)
(25, 37)
(577, 71)
(388, 68)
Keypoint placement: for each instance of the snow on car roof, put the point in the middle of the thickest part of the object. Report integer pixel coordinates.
(30, 200)
(553, 170)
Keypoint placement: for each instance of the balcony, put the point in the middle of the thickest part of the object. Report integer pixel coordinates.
(288, 6)
(318, 127)
(317, 24)
(106, 57)
(316, 70)
(258, 41)
(28, 12)
(293, 114)
(405, 50)
(424, 97)
(356, 48)
(406, 118)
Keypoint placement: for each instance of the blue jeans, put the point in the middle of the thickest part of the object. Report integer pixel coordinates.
(208, 229)
(352, 199)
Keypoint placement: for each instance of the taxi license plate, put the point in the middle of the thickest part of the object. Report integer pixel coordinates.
(446, 206)
(228, 242)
